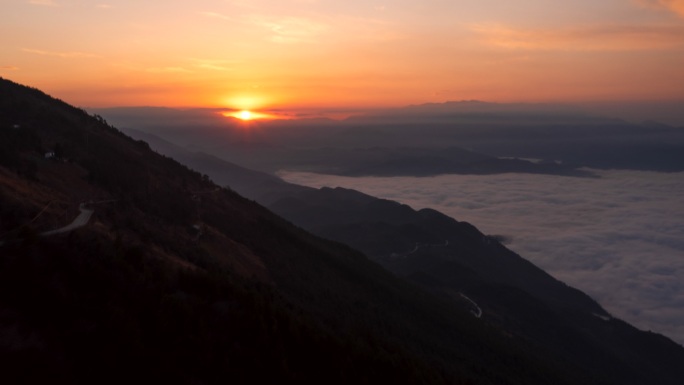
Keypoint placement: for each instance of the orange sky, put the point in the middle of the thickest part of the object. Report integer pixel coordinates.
(318, 53)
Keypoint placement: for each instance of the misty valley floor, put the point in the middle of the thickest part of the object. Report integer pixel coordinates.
(620, 237)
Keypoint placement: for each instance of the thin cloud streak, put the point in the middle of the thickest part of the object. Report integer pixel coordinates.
(286, 29)
(47, 3)
(289, 29)
(60, 54)
(619, 238)
(591, 38)
(675, 6)
(213, 64)
(216, 15)
(169, 70)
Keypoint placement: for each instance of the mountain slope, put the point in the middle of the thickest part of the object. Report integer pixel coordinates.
(180, 280)
(454, 260)
(175, 279)
(260, 186)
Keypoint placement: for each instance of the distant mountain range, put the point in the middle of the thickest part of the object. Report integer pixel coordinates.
(175, 279)
(457, 137)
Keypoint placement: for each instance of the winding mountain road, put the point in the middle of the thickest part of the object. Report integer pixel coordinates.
(80, 221)
(477, 312)
(419, 246)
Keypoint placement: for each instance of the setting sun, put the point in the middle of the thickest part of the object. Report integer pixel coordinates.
(245, 115)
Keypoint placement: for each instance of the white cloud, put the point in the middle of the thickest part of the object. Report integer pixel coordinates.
(619, 238)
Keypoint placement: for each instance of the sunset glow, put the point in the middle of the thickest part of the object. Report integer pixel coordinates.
(292, 54)
(245, 115)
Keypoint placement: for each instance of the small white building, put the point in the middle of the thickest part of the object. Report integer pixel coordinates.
(50, 155)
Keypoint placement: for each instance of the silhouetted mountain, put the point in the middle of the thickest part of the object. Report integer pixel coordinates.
(478, 111)
(256, 185)
(455, 261)
(176, 280)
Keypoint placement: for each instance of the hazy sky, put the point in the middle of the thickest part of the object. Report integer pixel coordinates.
(295, 53)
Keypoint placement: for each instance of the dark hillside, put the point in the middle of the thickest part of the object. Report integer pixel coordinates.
(176, 280)
(457, 262)
(260, 186)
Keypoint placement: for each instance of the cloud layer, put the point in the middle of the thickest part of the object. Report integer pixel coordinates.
(619, 238)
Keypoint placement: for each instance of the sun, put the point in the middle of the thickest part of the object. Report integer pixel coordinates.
(245, 115)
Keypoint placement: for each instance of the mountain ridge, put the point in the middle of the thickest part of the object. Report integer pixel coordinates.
(182, 281)
(332, 214)
(563, 142)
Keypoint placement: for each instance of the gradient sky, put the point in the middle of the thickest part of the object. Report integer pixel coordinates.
(323, 53)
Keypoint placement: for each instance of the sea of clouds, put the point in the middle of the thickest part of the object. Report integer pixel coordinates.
(619, 237)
